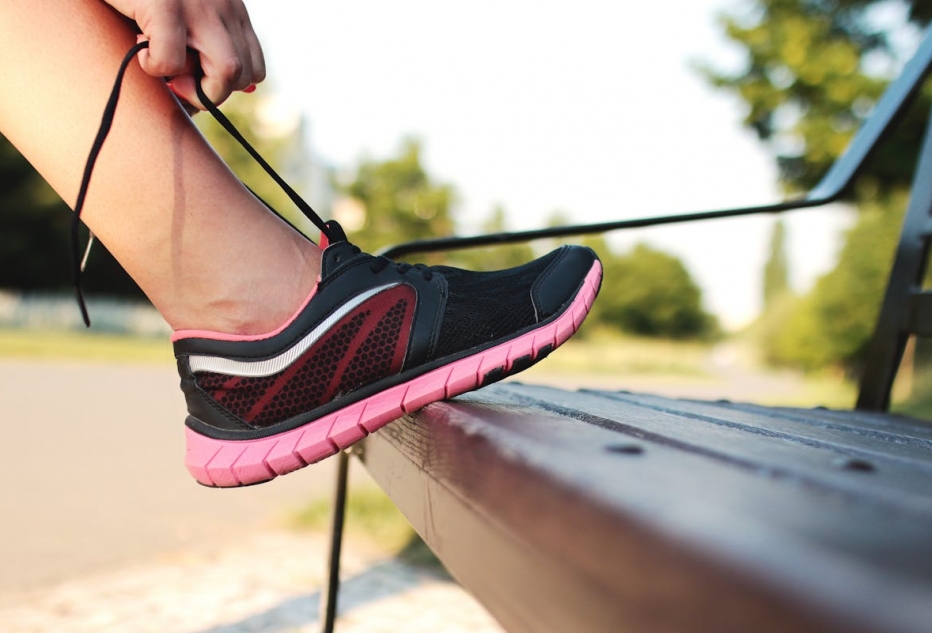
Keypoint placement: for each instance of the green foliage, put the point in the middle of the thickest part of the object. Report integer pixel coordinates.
(369, 512)
(650, 293)
(847, 299)
(776, 270)
(33, 225)
(807, 84)
(84, 346)
(789, 334)
(645, 292)
(814, 69)
(833, 323)
(400, 200)
(919, 401)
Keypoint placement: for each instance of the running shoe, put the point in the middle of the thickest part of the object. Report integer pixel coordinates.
(375, 340)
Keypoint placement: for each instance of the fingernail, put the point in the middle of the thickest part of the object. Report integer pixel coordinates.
(250, 88)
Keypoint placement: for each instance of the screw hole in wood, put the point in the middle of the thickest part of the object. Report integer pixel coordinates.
(625, 449)
(855, 465)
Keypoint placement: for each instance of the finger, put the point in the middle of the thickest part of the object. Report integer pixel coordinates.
(244, 77)
(184, 87)
(190, 109)
(221, 78)
(222, 59)
(167, 35)
(256, 57)
(254, 47)
(183, 84)
(244, 39)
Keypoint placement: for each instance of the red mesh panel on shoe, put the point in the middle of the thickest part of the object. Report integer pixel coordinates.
(364, 346)
(380, 354)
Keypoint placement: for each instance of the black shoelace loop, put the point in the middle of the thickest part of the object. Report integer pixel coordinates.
(102, 132)
(381, 263)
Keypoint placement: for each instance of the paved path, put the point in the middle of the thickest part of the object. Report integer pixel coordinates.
(265, 584)
(104, 531)
(91, 474)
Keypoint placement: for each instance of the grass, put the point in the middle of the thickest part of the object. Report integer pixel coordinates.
(606, 353)
(819, 390)
(919, 402)
(919, 407)
(371, 515)
(83, 346)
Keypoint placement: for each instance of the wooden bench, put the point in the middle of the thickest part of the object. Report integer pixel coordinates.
(610, 511)
(601, 511)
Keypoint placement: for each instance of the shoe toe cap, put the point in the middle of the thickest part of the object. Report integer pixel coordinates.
(560, 282)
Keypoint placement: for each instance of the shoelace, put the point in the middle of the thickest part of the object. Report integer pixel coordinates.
(381, 263)
(79, 261)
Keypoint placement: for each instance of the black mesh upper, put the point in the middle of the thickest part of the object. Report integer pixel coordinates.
(485, 306)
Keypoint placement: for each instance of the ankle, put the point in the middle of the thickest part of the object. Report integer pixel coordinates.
(252, 304)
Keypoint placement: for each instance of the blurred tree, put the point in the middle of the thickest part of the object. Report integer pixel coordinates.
(813, 70)
(645, 292)
(400, 201)
(33, 219)
(846, 301)
(776, 270)
(650, 293)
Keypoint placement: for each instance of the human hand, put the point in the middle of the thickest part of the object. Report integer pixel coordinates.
(179, 31)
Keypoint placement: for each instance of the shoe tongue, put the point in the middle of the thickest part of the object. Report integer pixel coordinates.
(337, 248)
(332, 235)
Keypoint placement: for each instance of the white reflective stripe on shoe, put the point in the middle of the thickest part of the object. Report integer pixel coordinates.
(269, 366)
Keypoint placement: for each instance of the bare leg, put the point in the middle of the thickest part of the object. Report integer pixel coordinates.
(204, 250)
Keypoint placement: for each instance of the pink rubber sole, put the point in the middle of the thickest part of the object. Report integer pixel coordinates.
(226, 463)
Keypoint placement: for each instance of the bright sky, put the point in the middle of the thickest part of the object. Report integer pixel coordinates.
(591, 108)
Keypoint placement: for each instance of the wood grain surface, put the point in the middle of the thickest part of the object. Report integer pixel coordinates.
(609, 511)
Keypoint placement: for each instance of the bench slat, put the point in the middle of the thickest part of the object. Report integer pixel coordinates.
(556, 523)
(867, 421)
(811, 454)
(910, 446)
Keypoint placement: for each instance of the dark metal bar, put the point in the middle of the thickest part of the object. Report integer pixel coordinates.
(495, 239)
(328, 600)
(920, 314)
(835, 182)
(891, 332)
